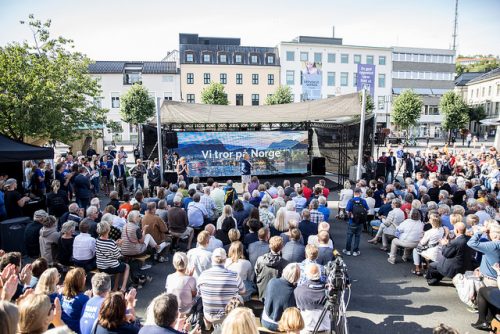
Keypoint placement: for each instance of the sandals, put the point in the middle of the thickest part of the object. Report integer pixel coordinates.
(417, 273)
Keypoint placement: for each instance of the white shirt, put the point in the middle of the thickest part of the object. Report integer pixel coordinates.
(313, 240)
(83, 247)
(394, 218)
(200, 259)
(213, 244)
(371, 205)
(411, 230)
(243, 268)
(345, 196)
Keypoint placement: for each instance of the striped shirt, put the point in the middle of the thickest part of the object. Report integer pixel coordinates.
(217, 286)
(107, 254)
(316, 216)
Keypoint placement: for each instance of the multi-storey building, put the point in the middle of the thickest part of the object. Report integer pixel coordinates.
(484, 90)
(429, 73)
(161, 78)
(338, 66)
(249, 73)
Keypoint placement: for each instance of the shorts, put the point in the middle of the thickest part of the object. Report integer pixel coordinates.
(246, 178)
(115, 270)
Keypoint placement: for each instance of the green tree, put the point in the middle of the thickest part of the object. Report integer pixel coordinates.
(45, 90)
(369, 102)
(476, 114)
(406, 109)
(282, 95)
(214, 94)
(114, 128)
(456, 112)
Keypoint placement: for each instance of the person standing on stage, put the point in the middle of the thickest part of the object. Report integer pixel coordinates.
(246, 171)
(183, 169)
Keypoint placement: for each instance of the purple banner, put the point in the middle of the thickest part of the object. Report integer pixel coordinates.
(366, 77)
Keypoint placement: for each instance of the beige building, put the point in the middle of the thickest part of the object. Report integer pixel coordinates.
(249, 74)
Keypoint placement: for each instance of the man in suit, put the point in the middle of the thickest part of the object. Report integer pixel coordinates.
(82, 188)
(410, 165)
(294, 250)
(258, 248)
(120, 177)
(390, 167)
(454, 257)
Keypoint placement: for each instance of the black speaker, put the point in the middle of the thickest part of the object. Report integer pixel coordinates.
(380, 169)
(318, 166)
(379, 138)
(170, 139)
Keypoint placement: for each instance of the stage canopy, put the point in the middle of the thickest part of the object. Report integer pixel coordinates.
(13, 150)
(335, 109)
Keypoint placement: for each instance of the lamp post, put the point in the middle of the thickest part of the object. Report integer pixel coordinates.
(159, 137)
(361, 134)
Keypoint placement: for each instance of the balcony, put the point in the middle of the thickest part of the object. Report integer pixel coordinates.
(132, 78)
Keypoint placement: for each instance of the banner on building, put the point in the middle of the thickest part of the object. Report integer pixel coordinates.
(366, 78)
(311, 80)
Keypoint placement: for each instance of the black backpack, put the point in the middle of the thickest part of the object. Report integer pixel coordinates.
(229, 196)
(359, 212)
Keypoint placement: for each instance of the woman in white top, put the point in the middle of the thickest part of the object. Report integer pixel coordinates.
(181, 284)
(227, 211)
(236, 262)
(345, 195)
(408, 235)
(371, 204)
(430, 242)
(291, 213)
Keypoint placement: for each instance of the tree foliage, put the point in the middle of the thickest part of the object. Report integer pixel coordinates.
(214, 94)
(370, 106)
(455, 110)
(485, 65)
(406, 109)
(114, 127)
(282, 95)
(136, 105)
(476, 113)
(45, 90)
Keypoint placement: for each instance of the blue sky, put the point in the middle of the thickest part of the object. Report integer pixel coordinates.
(147, 29)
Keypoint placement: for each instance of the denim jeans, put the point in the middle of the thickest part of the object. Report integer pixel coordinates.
(138, 183)
(353, 230)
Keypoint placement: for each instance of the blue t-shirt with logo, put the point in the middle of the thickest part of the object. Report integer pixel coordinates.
(89, 314)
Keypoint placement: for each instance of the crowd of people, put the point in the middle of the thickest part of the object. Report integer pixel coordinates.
(270, 243)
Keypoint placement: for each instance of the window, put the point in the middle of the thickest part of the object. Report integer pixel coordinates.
(330, 78)
(253, 59)
(270, 59)
(344, 78)
(290, 77)
(489, 90)
(381, 60)
(380, 102)
(189, 57)
(331, 57)
(115, 100)
(290, 55)
(206, 78)
(238, 59)
(381, 80)
(369, 60)
(255, 79)
(190, 78)
(357, 59)
(344, 58)
(318, 57)
(498, 89)
(167, 78)
(239, 78)
(167, 96)
(304, 56)
(132, 77)
(223, 58)
(355, 79)
(239, 99)
(270, 79)
(255, 99)
(428, 58)
(482, 92)
(206, 58)
(223, 78)
(431, 110)
(190, 98)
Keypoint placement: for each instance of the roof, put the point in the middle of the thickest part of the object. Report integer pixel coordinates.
(403, 49)
(486, 76)
(335, 109)
(230, 50)
(465, 77)
(13, 150)
(148, 67)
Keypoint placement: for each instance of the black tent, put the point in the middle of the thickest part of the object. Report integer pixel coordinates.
(13, 151)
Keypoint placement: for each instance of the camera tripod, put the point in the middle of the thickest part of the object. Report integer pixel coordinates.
(336, 308)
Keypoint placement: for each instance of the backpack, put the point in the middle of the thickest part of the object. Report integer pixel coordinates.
(229, 196)
(359, 212)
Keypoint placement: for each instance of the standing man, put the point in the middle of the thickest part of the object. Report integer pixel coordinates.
(390, 166)
(106, 167)
(410, 165)
(138, 172)
(357, 209)
(246, 170)
(82, 188)
(469, 139)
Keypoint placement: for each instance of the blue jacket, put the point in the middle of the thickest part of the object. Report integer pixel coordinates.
(325, 211)
(82, 186)
(294, 251)
(278, 297)
(491, 254)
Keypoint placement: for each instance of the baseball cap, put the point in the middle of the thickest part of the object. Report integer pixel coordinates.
(219, 253)
(10, 182)
(40, 214)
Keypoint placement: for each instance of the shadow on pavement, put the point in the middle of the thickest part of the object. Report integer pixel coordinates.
(391, 324)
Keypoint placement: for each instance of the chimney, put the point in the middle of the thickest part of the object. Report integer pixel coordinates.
(333, 31)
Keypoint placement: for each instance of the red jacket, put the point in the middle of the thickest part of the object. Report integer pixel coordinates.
(307, 192)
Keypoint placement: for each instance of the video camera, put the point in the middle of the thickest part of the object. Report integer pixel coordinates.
(337, 277)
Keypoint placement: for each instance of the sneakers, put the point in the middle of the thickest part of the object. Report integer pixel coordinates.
(391, 261)
(162, 259)
(145, 266)
(472, 309)
(346, 252)
(373, 241)
(162, 247)
(358, 253)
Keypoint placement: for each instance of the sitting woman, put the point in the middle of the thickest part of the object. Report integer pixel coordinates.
(222, 234)
(345, 195)
(36, 313)
(108, 255)
(408, 235)
(37, 268)
(181, 283)
(429, 247)
(49, 238)
(72, 298)
(279, 225)
(117, 314)
(286, 236)
(240, 320)
(47, 284)
(233, 235)
(236, 262)
(135, 242)
(291, 321)
(65, 244)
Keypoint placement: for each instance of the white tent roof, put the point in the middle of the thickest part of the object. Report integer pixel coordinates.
(339, 108)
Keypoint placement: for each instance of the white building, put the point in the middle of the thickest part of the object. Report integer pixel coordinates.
(338, 64)
(161, 78)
